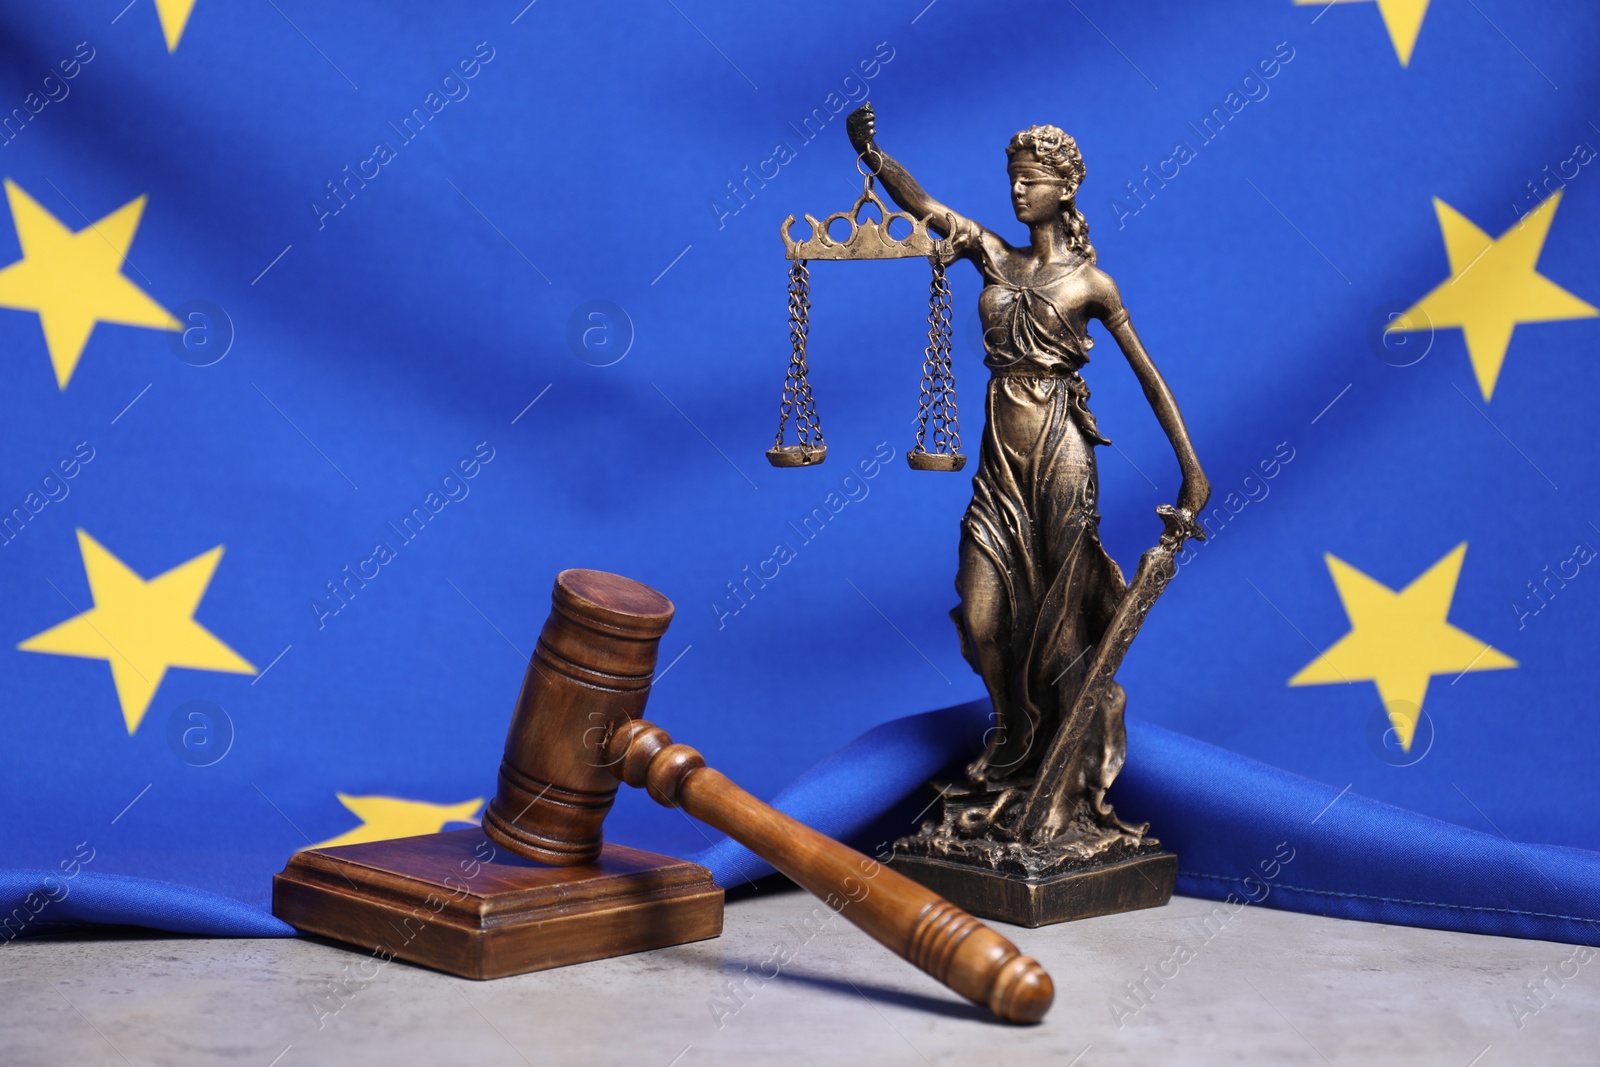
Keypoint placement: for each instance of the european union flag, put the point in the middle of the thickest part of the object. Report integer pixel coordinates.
(332, 333)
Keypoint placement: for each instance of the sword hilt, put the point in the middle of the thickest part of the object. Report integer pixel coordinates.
(1180, 526)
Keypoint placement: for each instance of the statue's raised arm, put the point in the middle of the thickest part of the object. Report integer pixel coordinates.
(903, 189)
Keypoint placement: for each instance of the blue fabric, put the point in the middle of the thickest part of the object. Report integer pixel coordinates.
(1249, 832)
(1257, 833)
(852, 788)
(380, 336)
(43, 902)
(1243, 831)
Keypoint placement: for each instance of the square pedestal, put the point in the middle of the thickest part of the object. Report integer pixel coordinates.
(1141, 882)
(460, 903)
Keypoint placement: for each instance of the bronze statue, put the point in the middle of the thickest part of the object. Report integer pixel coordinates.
(1045, 614)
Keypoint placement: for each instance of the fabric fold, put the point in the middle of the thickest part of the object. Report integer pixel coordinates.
(1243, 831)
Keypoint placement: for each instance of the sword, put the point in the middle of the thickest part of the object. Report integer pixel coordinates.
(1045, 810)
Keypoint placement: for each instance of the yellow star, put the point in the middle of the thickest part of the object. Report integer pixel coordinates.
(141, 627)
(174, 17)
(383, 818)
(1492, 287)
(74, 280)
(1402, 17)
(1400, 640)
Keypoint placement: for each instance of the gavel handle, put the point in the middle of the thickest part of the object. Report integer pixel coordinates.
(910, 920)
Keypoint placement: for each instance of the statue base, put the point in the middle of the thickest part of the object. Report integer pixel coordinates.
(1142, 881)
(969, 852)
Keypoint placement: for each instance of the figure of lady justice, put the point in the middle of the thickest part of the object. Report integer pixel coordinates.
(1037, 588)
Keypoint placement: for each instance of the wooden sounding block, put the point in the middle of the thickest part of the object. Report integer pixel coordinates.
(458, 902)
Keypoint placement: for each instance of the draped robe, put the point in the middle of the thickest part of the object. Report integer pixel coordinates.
(1036, 585)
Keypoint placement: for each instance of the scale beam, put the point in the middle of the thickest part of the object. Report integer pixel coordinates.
(869, 238)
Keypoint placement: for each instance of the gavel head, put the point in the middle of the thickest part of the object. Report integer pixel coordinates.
(590, 674)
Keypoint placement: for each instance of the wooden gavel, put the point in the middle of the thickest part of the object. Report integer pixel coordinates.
(577, 732)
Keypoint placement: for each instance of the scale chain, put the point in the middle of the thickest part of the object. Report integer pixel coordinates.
(938, 395)
(797, 396)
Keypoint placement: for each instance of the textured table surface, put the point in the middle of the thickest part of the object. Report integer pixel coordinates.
(1254, 987)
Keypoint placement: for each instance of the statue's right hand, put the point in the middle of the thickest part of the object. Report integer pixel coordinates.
(862, 127)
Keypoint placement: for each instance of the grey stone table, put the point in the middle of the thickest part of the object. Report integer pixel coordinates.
(1253, 987)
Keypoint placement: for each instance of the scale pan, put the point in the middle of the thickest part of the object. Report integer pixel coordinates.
(933, 461)
(796, 455)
